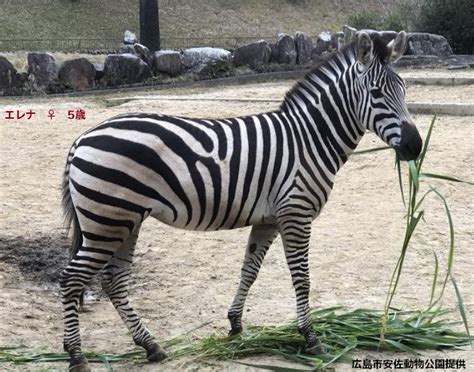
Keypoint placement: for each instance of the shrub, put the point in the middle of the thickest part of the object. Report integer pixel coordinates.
(364, 20)
(453, 19)
(394, 22)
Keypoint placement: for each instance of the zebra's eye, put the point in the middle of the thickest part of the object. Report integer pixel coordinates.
(376, 92)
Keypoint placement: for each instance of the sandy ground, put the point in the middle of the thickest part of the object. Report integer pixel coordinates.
(182, 279)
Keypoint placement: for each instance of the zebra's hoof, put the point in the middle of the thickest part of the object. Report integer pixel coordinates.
(79, 364)
(156, 353)
(315, 347)
(235, 331)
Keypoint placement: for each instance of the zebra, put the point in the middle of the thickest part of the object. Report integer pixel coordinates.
(273, 171)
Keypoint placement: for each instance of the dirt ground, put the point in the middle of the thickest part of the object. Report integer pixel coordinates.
(182, 279)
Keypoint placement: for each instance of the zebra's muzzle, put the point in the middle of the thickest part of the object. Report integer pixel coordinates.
(410, 143)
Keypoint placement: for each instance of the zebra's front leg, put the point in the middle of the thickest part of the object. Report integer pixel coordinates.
(296, 232)
(260, 239)
(115, 279)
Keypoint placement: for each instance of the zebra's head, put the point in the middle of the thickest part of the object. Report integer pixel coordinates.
(382, 107)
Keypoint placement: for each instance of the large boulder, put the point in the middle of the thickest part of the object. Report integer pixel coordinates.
(144, 53)
(120, 69)
(323, 43)
(420, 61)
(198, 59)
(43, 70)
(420, 43)
(129, 38)
(286, 50)
(78, 73)
(99, 71)
(168, 62)
(255, 55)
(273, 52)
(127, 49)
(304, 46)
(8, 76)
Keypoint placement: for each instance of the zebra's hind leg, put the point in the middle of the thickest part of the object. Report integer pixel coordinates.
(86, 263)
(260, 239)
(115, 278)
(296, 232)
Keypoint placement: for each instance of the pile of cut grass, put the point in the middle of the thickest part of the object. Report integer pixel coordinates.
(341, 332)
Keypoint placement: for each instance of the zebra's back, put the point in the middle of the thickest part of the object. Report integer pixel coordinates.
(189, 173)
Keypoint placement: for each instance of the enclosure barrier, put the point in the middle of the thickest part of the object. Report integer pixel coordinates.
(107, 45)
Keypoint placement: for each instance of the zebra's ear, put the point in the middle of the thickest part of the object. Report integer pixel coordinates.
(364, 48)
(396, 48)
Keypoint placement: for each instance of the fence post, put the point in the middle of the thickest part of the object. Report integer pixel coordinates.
(149, 24)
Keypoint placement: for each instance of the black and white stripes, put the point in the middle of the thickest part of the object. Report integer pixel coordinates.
(273, 171)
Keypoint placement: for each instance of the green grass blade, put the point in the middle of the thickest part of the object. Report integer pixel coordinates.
(443, 177)
(400, 181)
(343, 352)
(451, 230)
(421, 158)
(375, 149)
(414, 175)
(274, 368)
(435, 279)
(462, 309)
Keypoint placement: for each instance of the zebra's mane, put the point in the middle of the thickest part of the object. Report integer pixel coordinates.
(380, 53)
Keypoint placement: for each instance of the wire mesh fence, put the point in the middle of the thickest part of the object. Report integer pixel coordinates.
(110, 45)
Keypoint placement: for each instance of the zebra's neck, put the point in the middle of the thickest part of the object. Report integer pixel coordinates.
(323, 111)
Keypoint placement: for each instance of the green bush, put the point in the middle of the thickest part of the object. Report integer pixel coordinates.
(454, 19)
(394, 22)
(374, 21)
(364, 20)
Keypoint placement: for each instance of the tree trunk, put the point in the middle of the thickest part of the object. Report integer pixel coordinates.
(149, 24)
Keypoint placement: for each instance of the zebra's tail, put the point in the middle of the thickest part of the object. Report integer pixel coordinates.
(70, 216)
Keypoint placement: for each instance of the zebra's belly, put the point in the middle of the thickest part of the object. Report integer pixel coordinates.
(260, 215)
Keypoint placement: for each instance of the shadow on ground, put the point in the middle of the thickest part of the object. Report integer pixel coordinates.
(39, 258)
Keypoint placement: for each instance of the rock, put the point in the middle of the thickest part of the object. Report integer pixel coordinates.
(8, 76)
(120, 69)
(323, 43)
(458, 67)
(196, 59)
(129, 38)
(215, 70)
(420, 43)
(42, 70)
(99, 71)
(286, 50)
(461, 60)
(144, 53)
(273, 53)
(419, 61)
(304, 47)
(168, 62)
(127, 49)
(255, 55)
(78, 73)
(336, 40)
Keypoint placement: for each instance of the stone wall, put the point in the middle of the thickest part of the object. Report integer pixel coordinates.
(135, 64)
